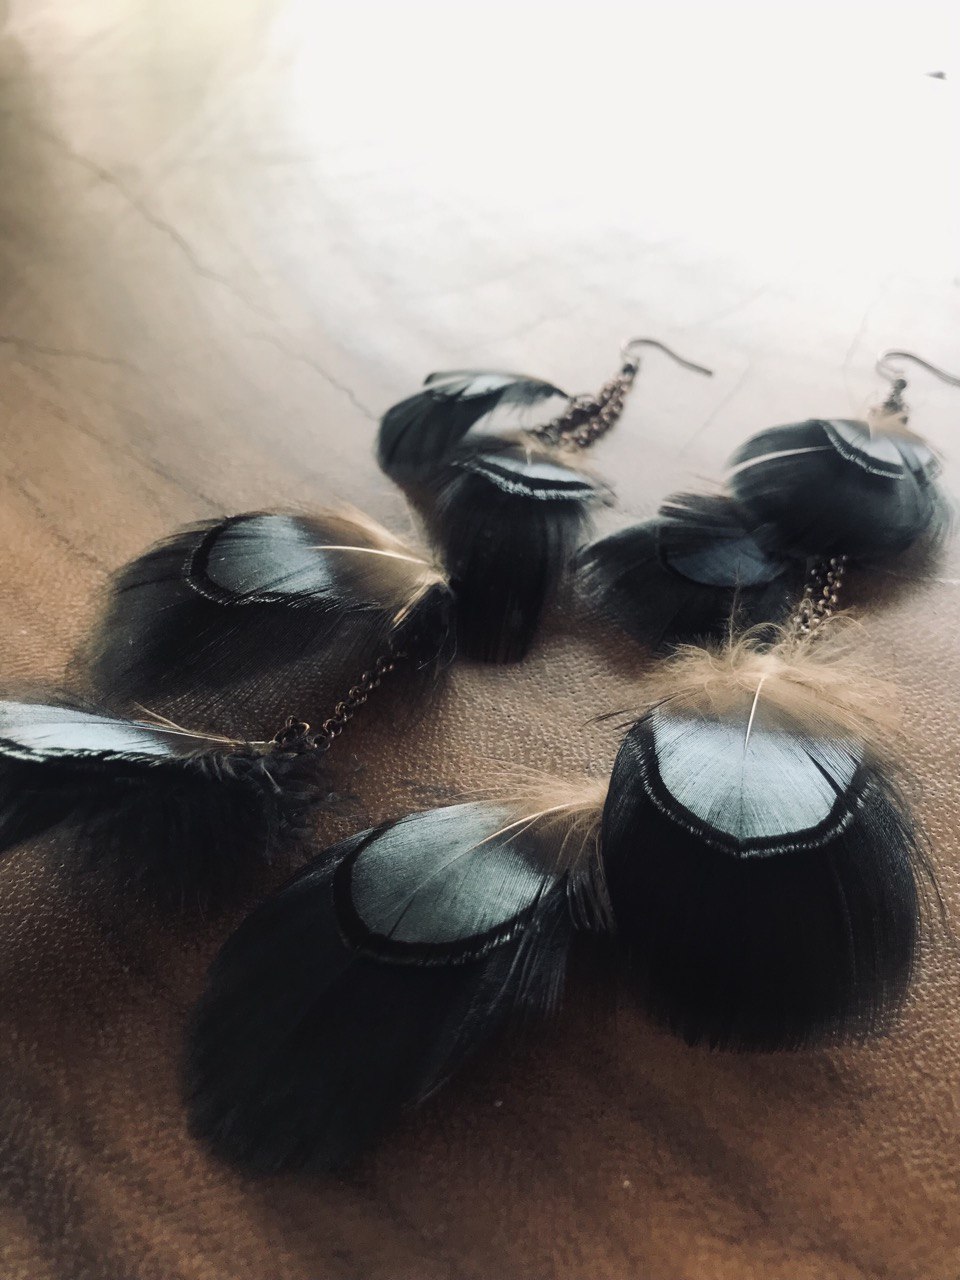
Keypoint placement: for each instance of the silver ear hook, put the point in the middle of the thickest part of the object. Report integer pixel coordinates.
(894, 403)
(629, 352)
(894, 375)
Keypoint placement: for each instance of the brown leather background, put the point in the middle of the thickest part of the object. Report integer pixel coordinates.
(230, 234)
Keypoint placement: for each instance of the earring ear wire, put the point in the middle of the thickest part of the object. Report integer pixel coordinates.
(885, 370)
(629, 353)
(895, 405)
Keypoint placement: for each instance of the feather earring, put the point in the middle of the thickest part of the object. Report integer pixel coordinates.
(358, 989)
(499, 499)
(151, 810)
(185, 819)
(807, 491)
(760, 863)
(262, 594)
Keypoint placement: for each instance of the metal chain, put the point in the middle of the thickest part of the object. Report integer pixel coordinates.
(294, 737)
(295, 734)
(589, 417)
(820, 595)
(356, 697)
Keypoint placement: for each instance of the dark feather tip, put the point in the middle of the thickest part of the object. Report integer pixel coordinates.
(261, 594)
(836, 487)
(359, 988)
(507, 525)
(423, 431)
(686, 574)
(763, 880)
(150, 812)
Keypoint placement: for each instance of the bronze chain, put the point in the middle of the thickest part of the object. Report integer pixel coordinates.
(295, 735)
(357, 696)
(820, 595)
(589, 417)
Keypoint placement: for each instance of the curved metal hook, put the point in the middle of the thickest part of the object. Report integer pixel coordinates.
(629, 350)
(885, 370)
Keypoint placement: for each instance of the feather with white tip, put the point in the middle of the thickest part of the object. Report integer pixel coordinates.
(362, 986)
(838, 487)
(761, 866)
(507, 525)
(152, 811)
(692, 571)
(267, 594)
(464, 407)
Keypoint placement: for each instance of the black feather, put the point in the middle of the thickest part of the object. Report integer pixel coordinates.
(507, 525)
(180, 820)
(822, 488)
(255, 594)
(684, 574)
(424, 430)
(762, 877)
(359, 988)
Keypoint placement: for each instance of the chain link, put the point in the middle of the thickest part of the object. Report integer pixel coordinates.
(589, 417)
(820, 595)
(356, 697)
(295, 735)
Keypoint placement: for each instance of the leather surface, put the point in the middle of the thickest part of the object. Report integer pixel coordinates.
(230, 235)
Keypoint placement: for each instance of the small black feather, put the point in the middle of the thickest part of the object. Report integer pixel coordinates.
(257, 594)
(424, 430)
(151, 812)
(507, 525)
(834, 487)
(359, 988)
(685, 574)
(762, 878)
